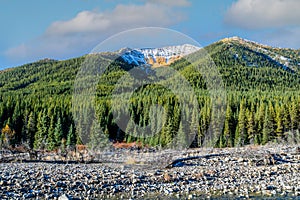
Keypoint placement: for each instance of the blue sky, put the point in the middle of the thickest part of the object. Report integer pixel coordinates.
(61, 29)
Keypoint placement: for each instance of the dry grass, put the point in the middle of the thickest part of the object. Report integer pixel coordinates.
(130, 161)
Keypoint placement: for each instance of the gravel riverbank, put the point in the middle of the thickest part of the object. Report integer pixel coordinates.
(249, 172)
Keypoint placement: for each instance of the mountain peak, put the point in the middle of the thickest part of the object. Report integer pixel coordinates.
(246, 50)
(156, 57)
(241, 41)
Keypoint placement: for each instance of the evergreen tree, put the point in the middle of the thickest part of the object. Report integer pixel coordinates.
(250, 125)
(58, 132)
(272, 117)
(42, 131)
(98, 139)
(181, 139)
(50, 141)
(17, 124)
(229, 139)
(279, 121)
(293, 114)
(31, 129)
(260, 116)
(194, 126)
(241, 138)
(267, 127)
(71, 137)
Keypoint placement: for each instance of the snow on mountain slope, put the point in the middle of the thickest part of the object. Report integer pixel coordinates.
(156, 56)
(134, 57)
(285, 58)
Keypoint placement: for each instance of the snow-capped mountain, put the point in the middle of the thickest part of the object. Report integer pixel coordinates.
(156, 56)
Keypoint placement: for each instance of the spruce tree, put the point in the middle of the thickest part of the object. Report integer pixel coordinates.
(98, 139)
(58, 132)
(229, 139)
(267, 127)
(42, 131)
(279, 121)
(31, 129)
(242, 125)
(250, 125)
(71, 137)
(50, 141)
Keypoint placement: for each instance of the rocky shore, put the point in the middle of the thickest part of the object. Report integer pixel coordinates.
(248, 172)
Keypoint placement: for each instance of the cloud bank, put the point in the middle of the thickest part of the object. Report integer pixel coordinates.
(88, 28)
(257, 14)
(275, 22)
(171, 2)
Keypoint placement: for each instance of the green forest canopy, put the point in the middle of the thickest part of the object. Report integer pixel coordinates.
(262, 103)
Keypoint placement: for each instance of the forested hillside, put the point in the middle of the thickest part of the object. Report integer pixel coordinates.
(262, 101)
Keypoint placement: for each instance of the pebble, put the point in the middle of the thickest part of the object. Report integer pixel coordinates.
(236, 175)
(63, 197)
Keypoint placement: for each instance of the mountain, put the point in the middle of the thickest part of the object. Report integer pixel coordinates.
(167, 55)
(156, 57)
(253, 54)
(262, 85)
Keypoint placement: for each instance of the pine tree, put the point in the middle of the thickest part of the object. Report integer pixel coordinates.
(31, 129)
(229, 139)
(167, 133)
(98, 139)
(259, 118)
(294, 115)
(242, 133)
(278, 120)
(71, 137)
(267, 127)
(194, 126)
(286, 120)
(237, 137)
(17, 124)
(42, 131)
(250, 125)
(272, 117)
(58, 132)
(181, 139)
(50, 141)
(130, 130)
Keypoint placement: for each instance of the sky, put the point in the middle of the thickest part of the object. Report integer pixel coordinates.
(61, 29)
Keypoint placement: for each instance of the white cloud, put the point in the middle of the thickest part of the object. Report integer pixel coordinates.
(85, 21)
(256, 14)
(88, 28)
(121, 17)
(171, 2)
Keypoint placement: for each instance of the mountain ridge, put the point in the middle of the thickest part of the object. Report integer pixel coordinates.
(227, 40)
(156, 57)
(225, 52)
(288, 59)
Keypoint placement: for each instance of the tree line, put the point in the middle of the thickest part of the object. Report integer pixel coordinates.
(262, 105)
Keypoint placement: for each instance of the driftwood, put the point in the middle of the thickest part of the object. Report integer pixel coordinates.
(179, 162)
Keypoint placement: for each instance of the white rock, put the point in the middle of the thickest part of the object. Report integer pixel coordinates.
(63, 197)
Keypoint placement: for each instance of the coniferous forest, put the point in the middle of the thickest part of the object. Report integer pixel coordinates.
(262, 102)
